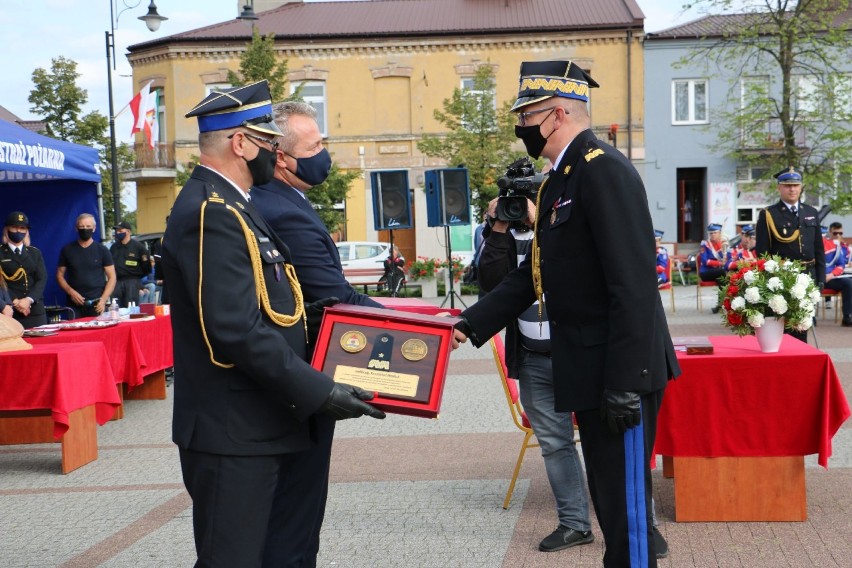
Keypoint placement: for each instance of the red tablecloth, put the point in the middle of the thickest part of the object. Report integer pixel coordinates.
(62, 377)
(741, 402)
(135, 348)
(415, 305)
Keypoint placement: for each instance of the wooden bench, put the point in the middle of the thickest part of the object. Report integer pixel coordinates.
(365, 277)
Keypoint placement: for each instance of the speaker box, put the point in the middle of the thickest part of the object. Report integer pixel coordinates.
(391, 200)
(447, 197)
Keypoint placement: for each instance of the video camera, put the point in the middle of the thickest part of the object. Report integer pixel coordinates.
(520, 183)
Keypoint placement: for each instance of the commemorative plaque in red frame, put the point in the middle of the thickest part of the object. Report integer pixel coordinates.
(402, 357)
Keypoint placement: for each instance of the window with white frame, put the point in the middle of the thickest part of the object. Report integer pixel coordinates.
(313, 93)
(806, 93)
(842, 96)
(689, 101)
(210, 87)
(468, 89)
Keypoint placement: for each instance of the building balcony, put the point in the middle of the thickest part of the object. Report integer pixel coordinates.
(768, 138)
(152, 163)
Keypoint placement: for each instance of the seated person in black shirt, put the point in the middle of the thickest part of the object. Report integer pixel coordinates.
(394, 276)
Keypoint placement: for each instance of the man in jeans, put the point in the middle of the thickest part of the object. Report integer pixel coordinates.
(528, 360)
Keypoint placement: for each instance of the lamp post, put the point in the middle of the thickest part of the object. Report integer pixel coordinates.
(153, 20)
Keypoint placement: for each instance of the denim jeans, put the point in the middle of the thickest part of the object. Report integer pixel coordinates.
(555, 433)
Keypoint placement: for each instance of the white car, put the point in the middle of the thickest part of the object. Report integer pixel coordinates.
(363, 255)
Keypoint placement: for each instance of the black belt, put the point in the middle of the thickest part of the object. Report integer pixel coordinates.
(544, 353)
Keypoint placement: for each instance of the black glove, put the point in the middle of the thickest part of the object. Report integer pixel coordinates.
(344, 402)
(621, 410)
(313, 315)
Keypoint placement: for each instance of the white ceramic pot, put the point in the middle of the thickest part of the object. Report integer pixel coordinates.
(770, 334)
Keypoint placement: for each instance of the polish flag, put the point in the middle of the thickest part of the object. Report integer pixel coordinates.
(152, 124)
(138, 106)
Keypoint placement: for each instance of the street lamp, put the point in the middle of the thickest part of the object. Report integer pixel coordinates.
(153, 20)
(248, 11)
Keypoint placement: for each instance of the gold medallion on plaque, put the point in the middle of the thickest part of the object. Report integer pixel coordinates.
(414, 349)
(353, 341)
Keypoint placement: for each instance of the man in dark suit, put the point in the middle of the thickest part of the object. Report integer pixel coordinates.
(301, 164)
(246, 401)
(790, 229)
(611, 351)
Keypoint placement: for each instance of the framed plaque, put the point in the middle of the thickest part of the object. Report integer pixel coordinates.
(402, 357)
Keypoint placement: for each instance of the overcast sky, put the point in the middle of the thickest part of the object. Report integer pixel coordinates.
(37, 31)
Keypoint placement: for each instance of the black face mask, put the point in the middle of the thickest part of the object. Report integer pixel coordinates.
(262, 166)
(16, 237)
(119, 236)
(532, 138)
(313, 170)
(85, 234)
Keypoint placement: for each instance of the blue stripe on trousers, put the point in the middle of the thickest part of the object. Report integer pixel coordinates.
(634, 476)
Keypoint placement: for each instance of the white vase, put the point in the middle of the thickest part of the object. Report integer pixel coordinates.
(770, 334)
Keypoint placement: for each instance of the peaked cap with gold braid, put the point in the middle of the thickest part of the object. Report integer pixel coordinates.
(541, 80)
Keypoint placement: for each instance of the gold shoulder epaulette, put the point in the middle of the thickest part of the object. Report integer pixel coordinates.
(593, 154)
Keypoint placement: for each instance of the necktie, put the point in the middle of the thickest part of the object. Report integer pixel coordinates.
(794, 210)
(18, 252)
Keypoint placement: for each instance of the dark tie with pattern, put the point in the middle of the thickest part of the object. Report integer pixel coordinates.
(794, 210)
(18, 252)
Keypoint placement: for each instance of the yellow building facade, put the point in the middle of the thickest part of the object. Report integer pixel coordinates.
(377, 98)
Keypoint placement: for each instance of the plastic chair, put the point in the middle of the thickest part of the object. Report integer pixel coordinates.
(838, 305)
(668, 285)
(519, 417)
(700, 283)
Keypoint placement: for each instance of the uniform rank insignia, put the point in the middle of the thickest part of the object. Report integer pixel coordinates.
(567, 170)
(593, 154)
(380, 358)
(214, 197)
(553, 217)
(241, 206)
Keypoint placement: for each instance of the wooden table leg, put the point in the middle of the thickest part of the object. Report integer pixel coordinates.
(740, 489)
(668, 467)
(119, 412)
(154, 388)
(80, 442)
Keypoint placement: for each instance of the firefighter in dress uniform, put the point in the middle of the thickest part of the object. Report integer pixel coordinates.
(790, 229)
(612, 355)
(24, 271)
(245, 397)
(744, 250)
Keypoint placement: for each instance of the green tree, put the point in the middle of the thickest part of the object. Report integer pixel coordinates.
(58, 101)
(479, 137)
(795, 104)
(329, 193)
(259, 62)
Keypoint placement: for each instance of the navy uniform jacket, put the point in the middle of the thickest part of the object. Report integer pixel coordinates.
(243, 386)
(607, 325)
(315, 255)
(25, 275)
(808, 247)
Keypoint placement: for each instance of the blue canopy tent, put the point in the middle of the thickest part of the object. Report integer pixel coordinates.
(52, 182)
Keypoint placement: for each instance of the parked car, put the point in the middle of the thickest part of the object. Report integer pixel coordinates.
(362, 255)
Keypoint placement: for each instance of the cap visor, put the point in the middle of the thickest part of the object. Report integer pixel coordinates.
(526, 101)
(269, 128)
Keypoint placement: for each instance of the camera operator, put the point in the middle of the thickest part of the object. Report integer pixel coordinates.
(507, 242)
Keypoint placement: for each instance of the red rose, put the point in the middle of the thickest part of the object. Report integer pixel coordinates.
(727, 304)
(732, 290)
(761, 263)
(734, 318)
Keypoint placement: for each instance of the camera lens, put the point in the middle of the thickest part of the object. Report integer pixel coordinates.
(512, 208)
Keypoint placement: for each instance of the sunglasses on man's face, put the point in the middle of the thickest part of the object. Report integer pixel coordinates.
(837, 234)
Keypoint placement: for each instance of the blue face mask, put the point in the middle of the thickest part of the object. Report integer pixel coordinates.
(314, 169)
(16, 237)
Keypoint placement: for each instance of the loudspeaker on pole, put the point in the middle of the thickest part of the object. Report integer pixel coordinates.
(447, 197)
(391, 200)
